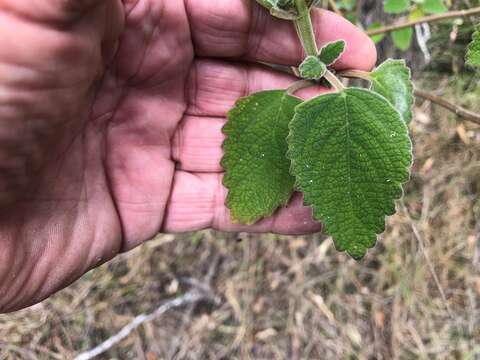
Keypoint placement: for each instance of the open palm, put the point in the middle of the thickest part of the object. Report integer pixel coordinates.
(110, 125)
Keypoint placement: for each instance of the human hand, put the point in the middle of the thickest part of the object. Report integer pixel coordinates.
(110, 125)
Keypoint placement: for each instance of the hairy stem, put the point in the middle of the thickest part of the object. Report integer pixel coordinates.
(304, 28)
(306, 34)
(426, 19)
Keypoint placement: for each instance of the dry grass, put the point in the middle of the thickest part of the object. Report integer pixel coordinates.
(295, 298)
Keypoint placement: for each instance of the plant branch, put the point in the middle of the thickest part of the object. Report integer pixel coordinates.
(437, 100)
(421, 242)
(457, 110)
(334, 7)
(201, 291)
(426, 19)
(188, 298)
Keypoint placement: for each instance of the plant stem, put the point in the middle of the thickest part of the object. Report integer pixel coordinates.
(334, 81)
(356, 74)
(426, 19)
(299, 85)
(457, 110)
(304, 28)
(306, 35)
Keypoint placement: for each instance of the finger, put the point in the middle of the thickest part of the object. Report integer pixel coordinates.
(51, 10)
(197, 202)
(239, 28)
(215, 85)
(197, 144)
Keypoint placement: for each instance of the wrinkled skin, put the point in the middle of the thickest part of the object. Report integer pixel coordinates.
(110, 125)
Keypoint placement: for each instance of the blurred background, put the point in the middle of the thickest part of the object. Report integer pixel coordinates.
(415, 296)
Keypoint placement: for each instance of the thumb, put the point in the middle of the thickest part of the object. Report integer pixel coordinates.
(60, 11)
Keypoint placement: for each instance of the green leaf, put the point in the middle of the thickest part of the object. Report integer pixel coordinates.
(396, 6)
(376, 38)
(473, 53)
(312, 68)
(255, 163)
(416, 14)
(392, 79)
(434, 6)
(350, 153)
(331, 52)
(402, 38)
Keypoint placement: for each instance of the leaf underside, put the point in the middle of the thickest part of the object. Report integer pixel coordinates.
(392, 79)
(350, 153)
(473, 53)
(255, 163)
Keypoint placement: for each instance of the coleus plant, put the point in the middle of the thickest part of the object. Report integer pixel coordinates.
(347, 150)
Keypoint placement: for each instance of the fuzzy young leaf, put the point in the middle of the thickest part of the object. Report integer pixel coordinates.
(473, 53)
(392, 80)
(255, 162)
(331, 52)
(350, 153)
(312, 68)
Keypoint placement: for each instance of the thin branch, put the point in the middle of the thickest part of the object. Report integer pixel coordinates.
(437, 100)
(191, 297)
(457, 110)
(334, 7)
(421, 243)
(426, 19)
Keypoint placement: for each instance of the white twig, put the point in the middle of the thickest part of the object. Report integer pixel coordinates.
(423, 37)
(190, 297)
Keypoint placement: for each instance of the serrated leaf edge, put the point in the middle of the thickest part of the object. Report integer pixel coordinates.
(234, 218)
(411, 86)
(475, 37)
(309, 203)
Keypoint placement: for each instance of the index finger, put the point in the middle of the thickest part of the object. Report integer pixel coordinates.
(241, 28)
